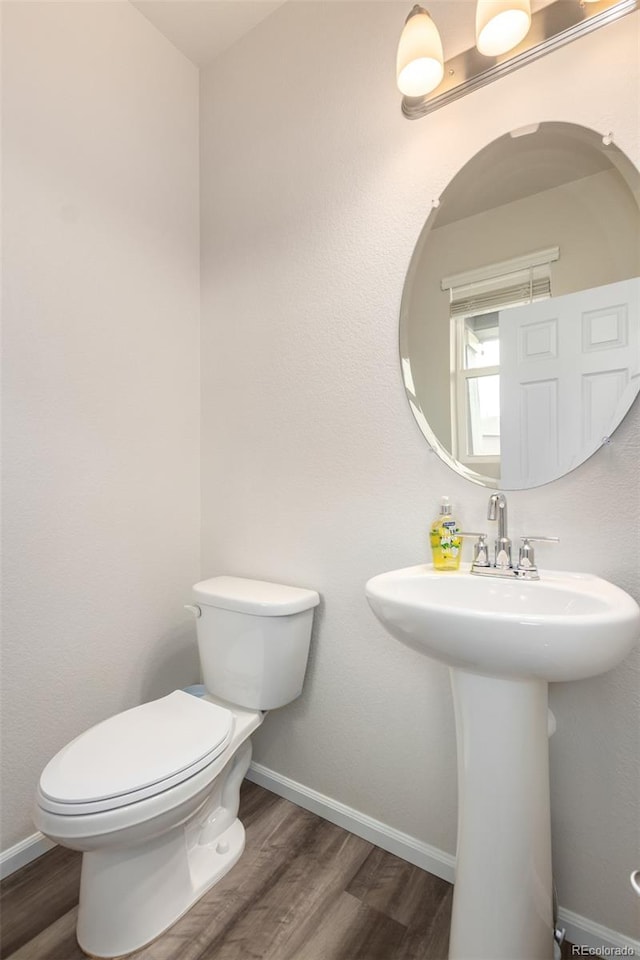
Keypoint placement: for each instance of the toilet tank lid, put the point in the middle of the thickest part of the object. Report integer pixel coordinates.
(257, 597)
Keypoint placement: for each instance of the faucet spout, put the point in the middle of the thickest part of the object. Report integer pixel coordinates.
(498, 511)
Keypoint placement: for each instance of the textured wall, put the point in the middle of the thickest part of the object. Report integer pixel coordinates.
(314, 192)
(101, 402)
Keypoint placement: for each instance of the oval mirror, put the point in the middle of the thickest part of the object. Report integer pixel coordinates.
(519, 325)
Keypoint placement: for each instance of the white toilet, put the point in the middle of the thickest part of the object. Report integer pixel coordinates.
(151, 795)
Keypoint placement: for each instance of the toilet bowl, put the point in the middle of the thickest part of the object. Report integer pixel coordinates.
(151, 795)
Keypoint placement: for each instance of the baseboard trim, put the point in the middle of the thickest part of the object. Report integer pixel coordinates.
(586, 933)
(394, 841)
(579, 930)
(20, 854)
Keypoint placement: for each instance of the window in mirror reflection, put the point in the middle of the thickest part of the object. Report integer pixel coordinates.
(475, 388)
(483, 411)
(481, 341)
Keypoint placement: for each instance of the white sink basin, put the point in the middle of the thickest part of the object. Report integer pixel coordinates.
(566, 626)
(504, 640)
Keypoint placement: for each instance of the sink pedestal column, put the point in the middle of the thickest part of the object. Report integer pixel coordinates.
(502, 902)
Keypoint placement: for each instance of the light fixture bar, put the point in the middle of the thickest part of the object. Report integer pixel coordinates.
(552, 27)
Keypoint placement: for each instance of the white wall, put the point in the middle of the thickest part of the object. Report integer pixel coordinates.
(314, 192)
(101, 404)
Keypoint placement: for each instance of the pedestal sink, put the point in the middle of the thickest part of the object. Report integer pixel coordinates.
(504, 641)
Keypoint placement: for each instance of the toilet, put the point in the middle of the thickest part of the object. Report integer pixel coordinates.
(151, 795)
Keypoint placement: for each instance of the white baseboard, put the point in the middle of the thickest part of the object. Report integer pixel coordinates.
(579, 930)
(394, 841)
(584, 932)
(23, 853)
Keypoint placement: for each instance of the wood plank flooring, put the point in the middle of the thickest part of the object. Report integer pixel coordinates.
(304, 889)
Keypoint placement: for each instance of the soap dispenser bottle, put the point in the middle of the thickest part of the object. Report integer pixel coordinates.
(446, 542)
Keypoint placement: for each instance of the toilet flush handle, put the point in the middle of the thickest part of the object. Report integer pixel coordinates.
(195, 610)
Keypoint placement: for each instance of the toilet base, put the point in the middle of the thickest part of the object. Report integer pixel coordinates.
(209, 866)
(130, 896)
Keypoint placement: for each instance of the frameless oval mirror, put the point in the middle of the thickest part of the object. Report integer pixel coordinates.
(519, 325)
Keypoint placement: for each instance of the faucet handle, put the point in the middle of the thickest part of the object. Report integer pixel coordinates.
(543, 539)
(526, 556)
(480, 549)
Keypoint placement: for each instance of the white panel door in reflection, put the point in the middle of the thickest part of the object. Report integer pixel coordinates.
(569, 369)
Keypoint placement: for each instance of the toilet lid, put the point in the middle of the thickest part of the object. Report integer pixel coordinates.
(137, 753)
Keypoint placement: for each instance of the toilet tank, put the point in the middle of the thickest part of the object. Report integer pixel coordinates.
(253, 640)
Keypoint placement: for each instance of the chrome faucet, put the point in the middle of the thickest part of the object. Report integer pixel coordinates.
(498, 511)
(502, 565)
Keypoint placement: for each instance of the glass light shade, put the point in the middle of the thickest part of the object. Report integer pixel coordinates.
(501, 25)
(420, 61)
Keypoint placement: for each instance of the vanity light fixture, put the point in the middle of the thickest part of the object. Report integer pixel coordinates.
(508, 36)
(501, 25)
(420, 61)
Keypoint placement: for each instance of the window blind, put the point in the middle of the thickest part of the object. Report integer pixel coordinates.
(520, 280)
(507, 291)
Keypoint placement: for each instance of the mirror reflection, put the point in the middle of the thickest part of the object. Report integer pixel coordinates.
(519, 323)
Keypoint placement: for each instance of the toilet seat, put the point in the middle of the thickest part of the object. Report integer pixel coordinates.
(135, 755)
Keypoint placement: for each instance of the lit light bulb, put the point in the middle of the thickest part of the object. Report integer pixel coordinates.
(501, 25)
(420, 61)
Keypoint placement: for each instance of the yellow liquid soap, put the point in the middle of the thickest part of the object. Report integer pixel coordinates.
(446, 542)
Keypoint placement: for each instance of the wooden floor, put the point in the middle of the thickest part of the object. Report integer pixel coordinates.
(304, 889)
